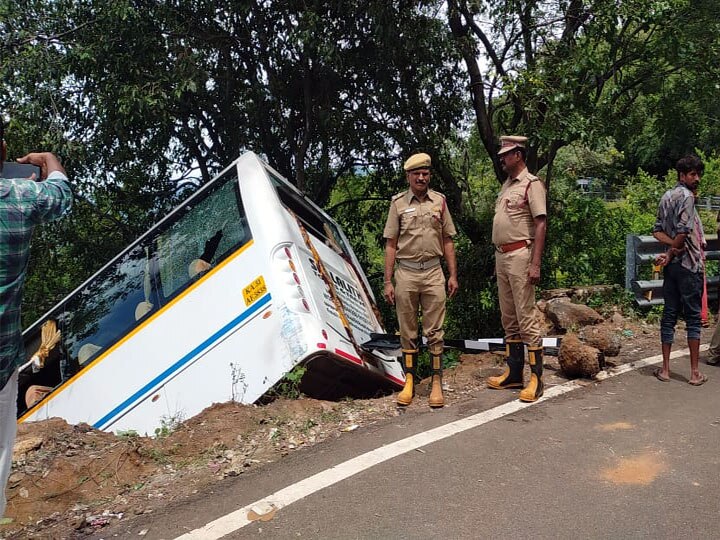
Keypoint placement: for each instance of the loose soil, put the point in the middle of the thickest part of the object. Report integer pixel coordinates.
(71, 481)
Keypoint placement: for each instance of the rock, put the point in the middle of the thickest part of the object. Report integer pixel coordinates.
(579, 360)
(26, 445)
(566, 315)
(617, 318)
(579, 293)
(602, 338)
(551, 294)
(16, 477)
(601, 375)
(582, 293)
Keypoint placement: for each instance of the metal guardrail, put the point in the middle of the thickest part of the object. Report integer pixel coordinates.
(641, 251)
(607, 196)
(710, 202)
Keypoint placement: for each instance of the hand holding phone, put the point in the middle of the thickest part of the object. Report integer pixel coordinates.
(47, 162)
(11, 169)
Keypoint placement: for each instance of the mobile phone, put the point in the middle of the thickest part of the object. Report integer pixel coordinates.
(10, 169)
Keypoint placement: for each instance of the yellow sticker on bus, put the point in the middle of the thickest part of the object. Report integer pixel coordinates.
(255, 290)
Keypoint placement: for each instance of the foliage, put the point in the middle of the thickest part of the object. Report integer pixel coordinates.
(451, 358)
(168, 424)
(289, 385)
(602, 164)
(588, 245)
(570, 71)
(679, 115)
(146, 100)
(474, 312)
(607, 301)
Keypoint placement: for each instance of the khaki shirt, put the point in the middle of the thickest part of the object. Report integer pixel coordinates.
(419, 226)
(515, 211)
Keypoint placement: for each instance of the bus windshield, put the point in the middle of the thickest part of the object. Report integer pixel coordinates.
(208, 230)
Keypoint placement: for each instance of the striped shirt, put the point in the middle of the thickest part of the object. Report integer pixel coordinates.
(23, 204)
(677, 215)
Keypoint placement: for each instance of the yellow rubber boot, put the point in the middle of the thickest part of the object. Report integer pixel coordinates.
(535, 388)
(513, 375)
(436, 393)
(405, 396)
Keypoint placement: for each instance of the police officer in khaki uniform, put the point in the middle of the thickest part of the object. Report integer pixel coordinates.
(519, 237)
(418, 232)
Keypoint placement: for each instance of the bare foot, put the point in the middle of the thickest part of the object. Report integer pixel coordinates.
(698, 379)
(661, 375)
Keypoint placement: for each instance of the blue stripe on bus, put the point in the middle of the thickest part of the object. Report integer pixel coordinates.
(262, 302)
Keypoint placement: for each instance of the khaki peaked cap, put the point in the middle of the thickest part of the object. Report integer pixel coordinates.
(511, 142)
(417, 161)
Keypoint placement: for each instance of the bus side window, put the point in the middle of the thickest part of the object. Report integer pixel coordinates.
(313, 221)
(112, 304)
(48, 364)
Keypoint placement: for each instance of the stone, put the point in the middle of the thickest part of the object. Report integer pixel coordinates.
(579, 360)
(26, 445)
(567, 316)
(603, 338)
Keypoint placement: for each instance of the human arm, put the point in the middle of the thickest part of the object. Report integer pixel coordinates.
(449, 254)
(664, 258)
(390, 253)
(47, 162)
(663, 238)
(677, 219)
(45, 200)
(537, 249)
(211, 247)
(677, 246)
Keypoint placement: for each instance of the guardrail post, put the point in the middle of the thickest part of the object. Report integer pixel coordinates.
(630, 266)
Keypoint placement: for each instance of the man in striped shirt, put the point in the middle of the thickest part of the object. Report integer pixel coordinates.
(24, 203)
(678, 226)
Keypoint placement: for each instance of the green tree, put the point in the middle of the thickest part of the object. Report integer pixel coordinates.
(571, 70)
(145, 99)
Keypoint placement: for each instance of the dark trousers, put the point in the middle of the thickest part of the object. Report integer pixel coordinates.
(682, 292)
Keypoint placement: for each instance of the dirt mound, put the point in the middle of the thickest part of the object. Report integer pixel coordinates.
(68, 481)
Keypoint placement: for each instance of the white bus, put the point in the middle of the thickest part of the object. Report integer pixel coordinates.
(218, 301)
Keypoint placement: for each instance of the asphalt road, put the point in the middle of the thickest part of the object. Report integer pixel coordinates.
(630, 457)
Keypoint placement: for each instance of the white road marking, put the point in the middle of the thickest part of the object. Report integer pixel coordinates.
(239, 518)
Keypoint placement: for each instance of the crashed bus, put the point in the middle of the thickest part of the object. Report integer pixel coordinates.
(218, 301)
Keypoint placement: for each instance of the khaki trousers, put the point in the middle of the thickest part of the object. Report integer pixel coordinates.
(426, 289)
(517, 296)
(714, 349)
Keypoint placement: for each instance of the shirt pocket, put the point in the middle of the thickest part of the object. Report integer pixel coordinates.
(435, 219)
(516, 201)
(408, 221)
